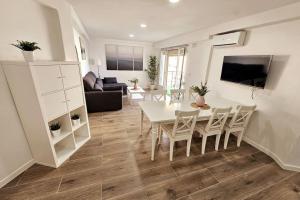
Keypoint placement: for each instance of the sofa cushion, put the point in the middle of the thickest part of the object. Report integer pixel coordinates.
(109, 80)
(89, 81)
(98, 88)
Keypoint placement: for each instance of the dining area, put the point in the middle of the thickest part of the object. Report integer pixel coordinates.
(177, 115)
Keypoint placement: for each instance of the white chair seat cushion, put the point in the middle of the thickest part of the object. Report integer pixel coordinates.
(168, 128)
(200, 127)
(233, 128)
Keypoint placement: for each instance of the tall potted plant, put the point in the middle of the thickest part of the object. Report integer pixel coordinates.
(152, 71)
(27, 48)
(201, 91)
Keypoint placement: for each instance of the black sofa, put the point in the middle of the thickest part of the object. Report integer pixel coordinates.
(103, 94)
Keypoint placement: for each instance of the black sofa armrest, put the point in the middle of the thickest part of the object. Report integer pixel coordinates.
(110, 80)
(112, 87)
(103, 101)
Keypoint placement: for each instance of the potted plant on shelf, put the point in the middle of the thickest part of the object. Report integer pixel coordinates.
(201, 91)
(27, 48)
(135, 82)
(75, 119)
(55, 129)
(152, 71)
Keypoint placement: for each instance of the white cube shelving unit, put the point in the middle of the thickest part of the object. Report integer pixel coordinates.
(45, 93)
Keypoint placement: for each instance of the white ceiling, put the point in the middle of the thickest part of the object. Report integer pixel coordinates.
(118, 18)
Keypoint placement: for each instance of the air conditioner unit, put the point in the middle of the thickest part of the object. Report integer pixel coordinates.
(229, 39)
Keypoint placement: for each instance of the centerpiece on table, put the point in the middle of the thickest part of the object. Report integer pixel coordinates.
(201, 91)
(27, 48)
(135, 82)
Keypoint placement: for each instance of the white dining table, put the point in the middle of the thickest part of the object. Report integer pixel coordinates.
(164, 112)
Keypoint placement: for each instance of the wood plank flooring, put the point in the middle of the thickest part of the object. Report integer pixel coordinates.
(115, 165)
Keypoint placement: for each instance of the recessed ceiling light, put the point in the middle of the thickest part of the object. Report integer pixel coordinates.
(143, 25)
(174, 1)
(131, 35)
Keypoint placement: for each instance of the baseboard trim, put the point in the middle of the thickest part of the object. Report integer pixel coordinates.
(272, 155)
(16, 173)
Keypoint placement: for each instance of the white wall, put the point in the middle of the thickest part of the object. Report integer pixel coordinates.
(84, 64)
(52, 28)
(15, 155)
(275, 126)
(39, 24)
(97, 51)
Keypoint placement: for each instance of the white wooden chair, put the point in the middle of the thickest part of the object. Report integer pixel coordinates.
(192, 95)
(182, 129)
(214, 126)
(238, 123)
(177, 95)
(158, 95)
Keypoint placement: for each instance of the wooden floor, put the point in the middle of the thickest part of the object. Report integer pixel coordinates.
(115, 164)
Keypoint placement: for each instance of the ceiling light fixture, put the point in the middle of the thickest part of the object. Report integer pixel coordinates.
(131, 35)
(173, 1)
(143, 25)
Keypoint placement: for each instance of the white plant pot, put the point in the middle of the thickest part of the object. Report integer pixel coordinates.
(28, 56)
(56, 133)
(200, 101)
(152, 87)
(76, 122)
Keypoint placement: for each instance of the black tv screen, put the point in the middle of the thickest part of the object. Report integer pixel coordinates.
(247, 70)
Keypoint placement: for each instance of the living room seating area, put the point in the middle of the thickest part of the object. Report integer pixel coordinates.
(103, 94)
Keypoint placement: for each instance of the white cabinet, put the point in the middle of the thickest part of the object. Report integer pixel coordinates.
(55, 105)
(74, 98)
(47, 93)
(49, 78)
(71, 76)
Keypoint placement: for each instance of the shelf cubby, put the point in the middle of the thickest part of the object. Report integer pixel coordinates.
(66, 127)
(81, 135)
(65, 148)
(83, 117)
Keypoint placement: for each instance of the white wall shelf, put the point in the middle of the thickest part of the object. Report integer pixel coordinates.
(45, 93)
(62, 136)
(78, 126)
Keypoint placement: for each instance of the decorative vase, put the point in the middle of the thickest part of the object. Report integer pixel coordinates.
(152, 87)
(28, 56)
(135, 87)
(56, 132)
(200, 101)
(75, 122)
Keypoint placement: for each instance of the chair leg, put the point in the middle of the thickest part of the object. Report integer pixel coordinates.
(171, 149)
(188, 147)
(227, 134)
(204, 138)
(217, 142)
(240, 137)
(159, 135)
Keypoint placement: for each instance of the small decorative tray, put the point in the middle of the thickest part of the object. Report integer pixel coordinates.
(205, 107)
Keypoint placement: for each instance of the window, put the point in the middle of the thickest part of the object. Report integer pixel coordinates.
(172, 67)
(120, 57)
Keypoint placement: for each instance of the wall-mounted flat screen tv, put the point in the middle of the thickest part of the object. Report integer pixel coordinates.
(247, 70)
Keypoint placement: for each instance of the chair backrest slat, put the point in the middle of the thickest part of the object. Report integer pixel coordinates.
(217, 119)
(242, 116)
(177, 95)
(185, 122)
(158, 95)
